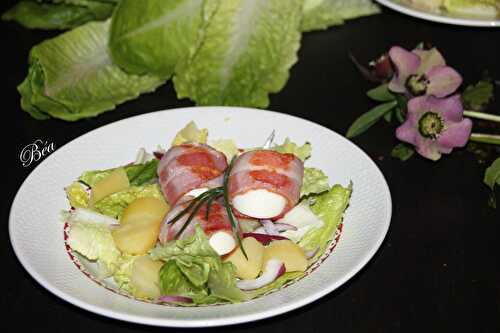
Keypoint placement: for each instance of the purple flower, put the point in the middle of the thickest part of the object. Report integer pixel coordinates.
(435, 125)
(422, 72)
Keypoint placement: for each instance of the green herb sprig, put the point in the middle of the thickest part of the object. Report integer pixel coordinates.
(209, 197)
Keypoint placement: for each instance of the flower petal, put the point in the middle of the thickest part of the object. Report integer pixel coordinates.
(456, 134)
(450, 109)
(429, 59)
(406, 64)
(428, 148)
(408, 133)
(417, 106)
(443, 81)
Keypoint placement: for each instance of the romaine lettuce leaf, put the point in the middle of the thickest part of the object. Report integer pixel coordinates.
(190, 133)
(226, 146)
(328, 206)
(314, 181)
(247, 51)
(155, 40)
(71, 76)
(95, 242)
(193, 269)
(114, 204)
(321, 14)
(138, 174)
(77, 195)
(302, 152)
(55, 14)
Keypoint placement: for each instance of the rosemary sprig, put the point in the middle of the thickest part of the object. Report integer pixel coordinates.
(227, 205)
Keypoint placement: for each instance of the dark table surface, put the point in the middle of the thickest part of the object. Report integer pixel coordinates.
(437, 270)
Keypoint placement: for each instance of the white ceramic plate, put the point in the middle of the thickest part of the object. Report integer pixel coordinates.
(441, 18)
(37, 235)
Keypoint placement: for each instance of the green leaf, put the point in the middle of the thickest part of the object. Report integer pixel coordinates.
(247, 51)
(369, 119)
(492, 174)
(315, 181)
(321, 14)
(381, 94)
(72, 77)
(388, 116)
(492, 178)
(57, 14)
(477, 97)
(302, 152)
(154, 41)
(143, 175)
(402, 151)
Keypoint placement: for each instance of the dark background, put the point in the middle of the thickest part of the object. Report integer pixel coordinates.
(438, 269)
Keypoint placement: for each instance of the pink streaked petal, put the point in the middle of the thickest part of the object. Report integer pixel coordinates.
(406, 63)
(407, 133)
(451, 108)
(443, 81)
(444, 150)
(428, 148)
(456, 134)
(429, 59)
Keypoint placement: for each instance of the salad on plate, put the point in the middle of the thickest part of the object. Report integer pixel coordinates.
(487, 9)
(205, 222)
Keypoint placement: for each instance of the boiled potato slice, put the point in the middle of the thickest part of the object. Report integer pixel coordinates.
(288, 252)
(145, 277)
(136, 238)
(115, 182)
(247, 269)
(144, 209)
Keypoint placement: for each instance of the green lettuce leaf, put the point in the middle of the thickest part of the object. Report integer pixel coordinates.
(190, 133)
(114, 204)
(95, 242)
(58, 14)
(246, 53)
(72, 77)
(193, 269)
(329, 207)
(303, 152)
(321, 14)
(314, 181)
(138, 174)
(155, 40)
(479, 8)
(77, 195)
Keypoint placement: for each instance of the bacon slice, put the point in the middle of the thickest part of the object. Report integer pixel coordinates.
(217, 221)
(189, 166)
(267, 170)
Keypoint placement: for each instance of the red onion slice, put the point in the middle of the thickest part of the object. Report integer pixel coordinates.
(270, 227)
(175, 299)
(264, 239)
(274, 269)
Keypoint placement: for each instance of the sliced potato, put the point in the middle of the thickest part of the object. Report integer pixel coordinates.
(288, 252)
(115, 182)
(144, 209)
(136, 238)
(145, 277)
(247, 269)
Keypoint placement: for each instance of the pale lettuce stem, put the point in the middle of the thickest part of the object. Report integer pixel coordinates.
(485, 138)
(482, 115)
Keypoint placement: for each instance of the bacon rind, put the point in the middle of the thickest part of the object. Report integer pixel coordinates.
(177, 179)
(241, 180)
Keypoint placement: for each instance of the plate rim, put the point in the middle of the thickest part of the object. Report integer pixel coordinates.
(212, 322)
(439, 18)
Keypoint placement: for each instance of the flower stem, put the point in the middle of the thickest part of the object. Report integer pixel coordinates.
(485, 138)
(482, 115)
